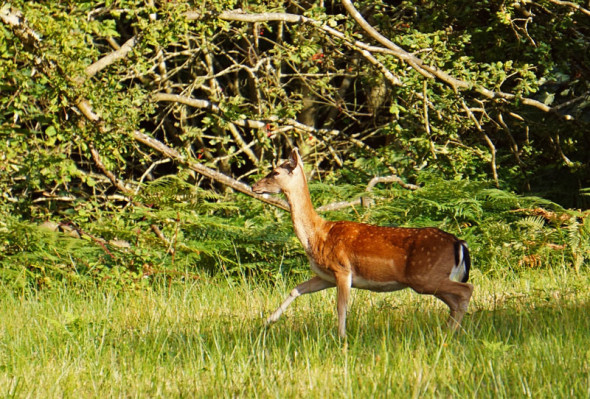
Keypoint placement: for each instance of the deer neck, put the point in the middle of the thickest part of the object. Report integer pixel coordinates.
(308, 225)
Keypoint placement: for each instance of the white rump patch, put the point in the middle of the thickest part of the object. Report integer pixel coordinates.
(459, 269)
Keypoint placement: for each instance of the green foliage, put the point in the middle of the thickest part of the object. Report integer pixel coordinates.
(183, 232)
(59, 165)
(43, 82)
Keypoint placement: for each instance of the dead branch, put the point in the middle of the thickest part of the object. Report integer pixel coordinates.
(367, 201)
(116, 182)
(390, 48)
(112, 57)
(205, 171)
(569, 4)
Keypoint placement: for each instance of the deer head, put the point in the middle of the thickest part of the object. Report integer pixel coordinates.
(283, 178)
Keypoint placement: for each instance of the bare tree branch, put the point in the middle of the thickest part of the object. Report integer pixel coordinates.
(367, 201)
(570, 5)
(205, 171)
(418, 64)
(390, 48)
(111, 58)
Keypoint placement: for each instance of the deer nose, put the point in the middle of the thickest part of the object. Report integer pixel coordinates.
(256, 188)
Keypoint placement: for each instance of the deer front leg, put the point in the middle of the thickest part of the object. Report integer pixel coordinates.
(310, 286)
(344, 285)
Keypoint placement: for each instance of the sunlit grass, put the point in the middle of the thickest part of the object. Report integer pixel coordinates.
(524, 336)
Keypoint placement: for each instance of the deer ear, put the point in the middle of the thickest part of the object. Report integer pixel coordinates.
(295, 158)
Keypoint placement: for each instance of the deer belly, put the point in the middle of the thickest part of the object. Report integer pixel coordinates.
(321, 272)
(380, 286)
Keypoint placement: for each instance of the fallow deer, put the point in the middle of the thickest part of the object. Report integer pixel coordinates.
(349, 255)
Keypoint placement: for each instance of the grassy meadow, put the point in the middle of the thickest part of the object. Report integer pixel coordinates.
(525, 335)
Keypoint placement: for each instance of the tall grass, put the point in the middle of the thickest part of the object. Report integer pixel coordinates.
(525, 336)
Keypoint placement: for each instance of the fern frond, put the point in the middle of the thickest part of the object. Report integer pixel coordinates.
(534, 223)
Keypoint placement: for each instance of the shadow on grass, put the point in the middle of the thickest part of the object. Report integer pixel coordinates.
(519, 321)
(422, 323)
(513, 322)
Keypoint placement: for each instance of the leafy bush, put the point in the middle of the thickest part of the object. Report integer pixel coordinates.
(187, 232)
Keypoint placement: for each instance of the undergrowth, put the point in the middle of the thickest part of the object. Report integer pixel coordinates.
(176, 230)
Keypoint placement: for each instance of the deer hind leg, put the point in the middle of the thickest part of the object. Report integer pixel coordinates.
(310, 286)
(456, 295)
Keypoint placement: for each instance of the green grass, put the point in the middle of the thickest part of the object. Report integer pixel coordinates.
(525, 335)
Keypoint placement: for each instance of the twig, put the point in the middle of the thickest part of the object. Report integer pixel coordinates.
(111, 58)
(239, 140)
(162, 237)
(48, 197)
(426, 121)
(571, 5)
(488, 141)
(148, 171)
(390, 179)
(100, 241)
(116, 182)
(364, 201)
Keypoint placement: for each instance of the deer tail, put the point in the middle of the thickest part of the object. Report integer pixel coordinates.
(462, 265)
